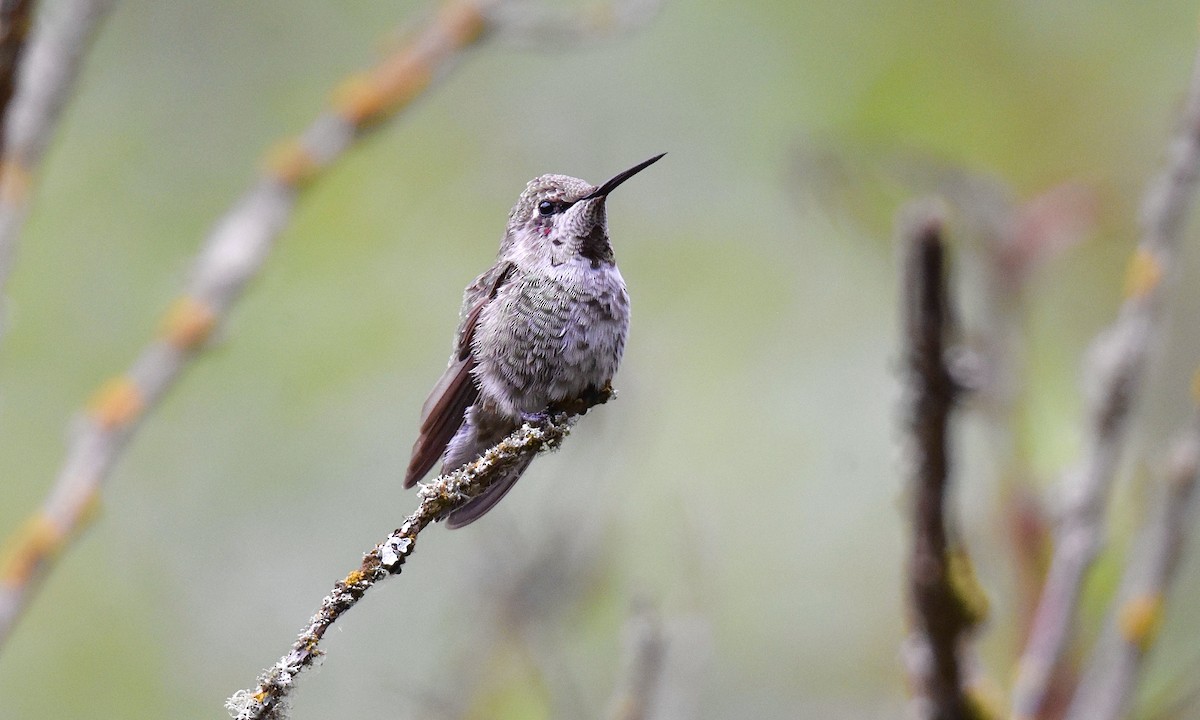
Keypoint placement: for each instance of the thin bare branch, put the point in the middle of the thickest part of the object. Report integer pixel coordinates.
(232, 255)
(534, 23)
(643, 656)
(1116, 662)
(942, 613)
(15, 19)
(44, 82)
(267, 700)
(1113, 380)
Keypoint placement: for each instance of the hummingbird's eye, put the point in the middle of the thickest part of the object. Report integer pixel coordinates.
(546, 207)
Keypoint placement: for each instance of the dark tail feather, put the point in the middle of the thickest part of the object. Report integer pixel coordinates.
(479, 506)
(440, 419)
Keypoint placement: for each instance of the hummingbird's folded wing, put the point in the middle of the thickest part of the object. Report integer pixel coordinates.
(443, 412)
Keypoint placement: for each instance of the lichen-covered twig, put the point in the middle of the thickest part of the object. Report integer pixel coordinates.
(1116, 662)
(1113, 379)
(943, 612)
(231, 256)
(266, 701)
(43, 83)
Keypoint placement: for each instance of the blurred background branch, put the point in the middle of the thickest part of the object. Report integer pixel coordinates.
(642, 665)
(1112, 383)
(943, 611)
(16, 16)
(35, 84)
(1107, 689)
(537, 24)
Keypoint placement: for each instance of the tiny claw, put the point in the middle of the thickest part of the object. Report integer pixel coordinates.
(592, 397)
(600, 395)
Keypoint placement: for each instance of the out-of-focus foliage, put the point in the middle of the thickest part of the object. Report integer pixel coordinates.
(746, 481)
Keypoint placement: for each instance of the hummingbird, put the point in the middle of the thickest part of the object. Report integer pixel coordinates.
(545, 324)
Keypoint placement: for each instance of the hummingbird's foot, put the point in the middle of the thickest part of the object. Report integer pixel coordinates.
(600, 395)
(594, 396)
(586, 400)
(536, 418)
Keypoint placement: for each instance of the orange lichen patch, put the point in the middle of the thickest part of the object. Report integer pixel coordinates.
(1138, 619)
(985, 699)
(394, 83)
(1143, 275)
(259, 696)
(402, 80)
(291, 163)
(36, 540)
(401, 77)
(354, 577)
(117, 402)
(87, 504)
(464, 22)
(970, 593)
(188, 323)
(357, 98)
(14, 182)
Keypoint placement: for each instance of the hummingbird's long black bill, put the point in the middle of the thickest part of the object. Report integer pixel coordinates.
(621, 177)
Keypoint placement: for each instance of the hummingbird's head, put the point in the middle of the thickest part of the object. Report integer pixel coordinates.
(560, 218)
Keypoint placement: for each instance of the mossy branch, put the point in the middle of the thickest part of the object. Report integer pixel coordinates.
(440, 497)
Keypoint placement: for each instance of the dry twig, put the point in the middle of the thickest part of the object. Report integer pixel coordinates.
(1113, 378)
(439, 498)
(943, 614)
(42, 85)
(231, 256)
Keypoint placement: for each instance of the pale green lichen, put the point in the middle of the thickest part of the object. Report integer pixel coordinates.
(439, 498)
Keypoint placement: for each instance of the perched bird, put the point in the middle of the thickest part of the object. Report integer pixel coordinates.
(545, 324)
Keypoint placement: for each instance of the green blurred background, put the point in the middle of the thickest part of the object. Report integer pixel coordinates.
(748, 481)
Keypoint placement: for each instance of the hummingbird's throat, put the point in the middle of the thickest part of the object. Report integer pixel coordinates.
(595, 247)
